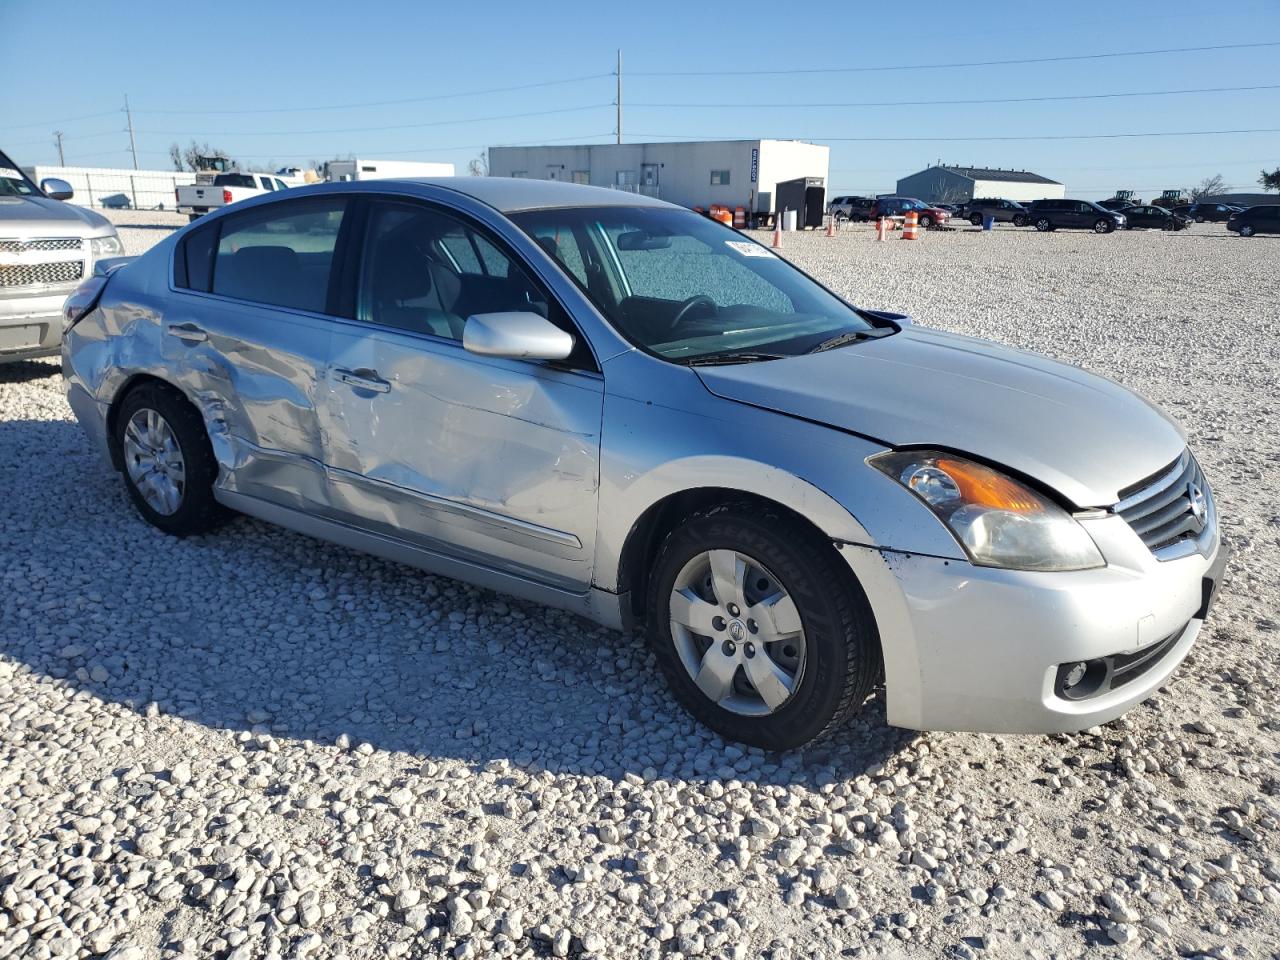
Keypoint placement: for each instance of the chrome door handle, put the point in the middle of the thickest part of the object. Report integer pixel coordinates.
(187, 332)
(363, 380)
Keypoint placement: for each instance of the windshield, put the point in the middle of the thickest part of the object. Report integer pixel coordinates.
(14, 184)
(684, 287)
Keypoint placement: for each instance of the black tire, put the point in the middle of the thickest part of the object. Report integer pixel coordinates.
(842, 645)
(192, 217)
(1044, 224)
(1199, 218)
(1247, 230)
(1168, 225)
(1019, 220)
(198, 511)
(926, 222)
(1103, 225)
(975, 219)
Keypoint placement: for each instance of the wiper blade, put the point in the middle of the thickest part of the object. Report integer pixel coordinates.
(850, 336)
(744, 356)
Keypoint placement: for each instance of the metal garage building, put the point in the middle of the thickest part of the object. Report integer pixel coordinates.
(947, 184)
(693, 174)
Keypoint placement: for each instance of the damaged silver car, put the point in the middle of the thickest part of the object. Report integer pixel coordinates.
(596, 400)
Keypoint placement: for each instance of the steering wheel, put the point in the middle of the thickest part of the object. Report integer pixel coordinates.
(698, 300)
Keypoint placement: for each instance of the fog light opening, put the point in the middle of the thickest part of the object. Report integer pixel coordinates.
(1081, 678)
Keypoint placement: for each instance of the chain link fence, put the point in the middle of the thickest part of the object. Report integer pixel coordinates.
(120, 189)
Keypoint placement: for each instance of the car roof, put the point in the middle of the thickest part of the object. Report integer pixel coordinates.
(509, 194)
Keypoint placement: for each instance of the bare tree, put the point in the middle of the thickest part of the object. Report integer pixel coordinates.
(479, 166)
(1209, 187)
(188, 158)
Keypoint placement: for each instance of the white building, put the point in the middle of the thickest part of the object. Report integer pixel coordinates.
(693, 174)
(947, 184)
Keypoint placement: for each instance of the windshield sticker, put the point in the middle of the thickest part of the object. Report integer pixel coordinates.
(10, 174)
(748, 249)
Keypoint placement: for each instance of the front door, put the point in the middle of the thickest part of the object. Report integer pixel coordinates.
(248, 340)
(488, 460)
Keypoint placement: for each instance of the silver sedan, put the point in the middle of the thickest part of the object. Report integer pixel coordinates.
(595, 400)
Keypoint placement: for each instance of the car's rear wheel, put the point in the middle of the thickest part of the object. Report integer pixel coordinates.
(169, 467)
(1246, 230)
(762, 633)
(1044, 225)
(1019, 220)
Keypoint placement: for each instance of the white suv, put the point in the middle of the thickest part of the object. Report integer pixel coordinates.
(46, 249)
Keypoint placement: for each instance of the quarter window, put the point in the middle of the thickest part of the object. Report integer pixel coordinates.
(280, 254)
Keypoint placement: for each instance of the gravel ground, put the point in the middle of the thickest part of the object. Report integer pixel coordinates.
(255, 745)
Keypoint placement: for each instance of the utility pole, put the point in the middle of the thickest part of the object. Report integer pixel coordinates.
(133, 146)
(57, 138)
(619, 96)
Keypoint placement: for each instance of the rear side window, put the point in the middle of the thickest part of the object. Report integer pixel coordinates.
(280, 254)
(193, 259)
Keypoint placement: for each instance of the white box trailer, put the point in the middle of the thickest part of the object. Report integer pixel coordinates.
(383, 169)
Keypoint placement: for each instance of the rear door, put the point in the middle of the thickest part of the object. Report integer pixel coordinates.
(248, 339)
(489, 460)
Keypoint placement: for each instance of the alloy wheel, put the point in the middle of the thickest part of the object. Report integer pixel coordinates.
(154, 461)
(737, 632)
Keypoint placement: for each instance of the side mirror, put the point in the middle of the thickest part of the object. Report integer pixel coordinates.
(57, 189)
(901, 319)
(520, 335)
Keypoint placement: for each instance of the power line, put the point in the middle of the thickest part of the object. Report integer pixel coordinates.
(1063, 136)
(947, 66)
(935, 103)
(384, 103)
(395, 126)
(41, 123)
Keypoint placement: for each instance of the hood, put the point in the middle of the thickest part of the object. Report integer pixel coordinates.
(26, 216)
(1079, 434)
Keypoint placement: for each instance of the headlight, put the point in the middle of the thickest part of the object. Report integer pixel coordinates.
(110, 246)
(999, 521)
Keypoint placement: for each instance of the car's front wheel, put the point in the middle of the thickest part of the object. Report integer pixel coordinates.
(975, 219)
(1169, 225)
(1246, 230)
(1102, 225)
(762, 633)
(169, 467)
(1044, 225)
(926, 221)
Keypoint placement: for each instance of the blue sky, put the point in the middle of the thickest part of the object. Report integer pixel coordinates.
(235, 75)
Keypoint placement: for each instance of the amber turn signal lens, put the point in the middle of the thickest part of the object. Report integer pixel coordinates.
(979, 485)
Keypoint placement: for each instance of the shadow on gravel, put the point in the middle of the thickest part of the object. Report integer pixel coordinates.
(23, 371)
(256, 626)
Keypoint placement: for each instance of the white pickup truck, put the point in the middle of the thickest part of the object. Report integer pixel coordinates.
(197, 199)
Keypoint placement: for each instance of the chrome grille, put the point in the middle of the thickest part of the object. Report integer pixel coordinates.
(57, 243)
(31, 274)
(1161, 510)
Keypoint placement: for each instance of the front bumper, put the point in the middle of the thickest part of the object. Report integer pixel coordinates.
(980, 649)
(31, 324)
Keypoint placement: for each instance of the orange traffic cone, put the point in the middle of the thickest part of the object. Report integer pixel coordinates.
(831, 225)
(777, 231)
(882, 230)
(911, 228)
